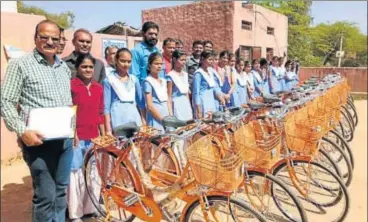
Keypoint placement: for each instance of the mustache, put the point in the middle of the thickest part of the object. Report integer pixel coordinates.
(50, 47)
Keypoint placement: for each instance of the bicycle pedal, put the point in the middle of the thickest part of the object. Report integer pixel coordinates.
(131, 199)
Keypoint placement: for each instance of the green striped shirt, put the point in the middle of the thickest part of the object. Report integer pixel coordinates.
(31, 82)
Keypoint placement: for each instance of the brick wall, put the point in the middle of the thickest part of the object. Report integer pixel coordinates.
(357, 77)
(200, 20)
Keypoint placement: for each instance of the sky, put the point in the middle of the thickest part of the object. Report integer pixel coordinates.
(94, 15)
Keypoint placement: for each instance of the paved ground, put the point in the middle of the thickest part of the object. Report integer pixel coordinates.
(16, 186)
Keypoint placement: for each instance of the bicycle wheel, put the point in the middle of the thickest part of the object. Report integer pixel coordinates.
(272, 197)
(223, 208)
(93, 180)
(336, 137)
(351, 98)
(346, 127)
(320, 184)
(339, 158)
(352, 109)
(327, 161)
(350, 117)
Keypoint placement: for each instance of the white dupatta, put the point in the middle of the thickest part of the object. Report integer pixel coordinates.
(250, 79)
(291, 75)
(125, 94)
(182, 85)
(217, 75)
(208, 77)
(239, 78)
(257, 76)
(160, 89)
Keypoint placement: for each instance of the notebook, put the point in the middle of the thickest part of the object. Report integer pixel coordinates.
(53, 123)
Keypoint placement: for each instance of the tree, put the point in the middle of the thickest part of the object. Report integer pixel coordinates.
(316, 46)
(326, 42)
(299, 20)
(64, 20)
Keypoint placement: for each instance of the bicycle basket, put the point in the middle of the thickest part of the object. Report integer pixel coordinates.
(210, 169)
(104, 141)
(303, 133)
(259, 143)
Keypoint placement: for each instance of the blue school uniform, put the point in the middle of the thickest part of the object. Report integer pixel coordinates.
(239, 96)
(291, 79)
(219, 85)
(258, 83)
(180, 87)
(159, 100)
(225, 88)
(274, 79)
(204, 91)
(282, 73)
(123, 109)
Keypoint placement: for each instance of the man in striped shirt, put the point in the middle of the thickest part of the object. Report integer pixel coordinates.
(40, 80)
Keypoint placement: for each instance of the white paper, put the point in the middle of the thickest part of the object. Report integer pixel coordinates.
(53, 123)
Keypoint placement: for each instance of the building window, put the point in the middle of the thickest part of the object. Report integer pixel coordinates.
(244, 52)
(246, 25)
(270, 31)
(269, 53)
(257, 52)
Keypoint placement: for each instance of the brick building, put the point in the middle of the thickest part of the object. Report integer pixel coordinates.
(248, 29)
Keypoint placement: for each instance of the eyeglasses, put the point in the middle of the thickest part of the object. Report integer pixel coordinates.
(46, 38)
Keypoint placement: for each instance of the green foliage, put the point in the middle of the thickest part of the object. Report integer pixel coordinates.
(299, 20)
(314, 45)
(326, 39)
(64, 20)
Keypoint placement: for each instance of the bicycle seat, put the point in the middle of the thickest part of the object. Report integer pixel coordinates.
(126, 130)
(173, 122)
(235, 111)
(256, 105)
(270, 99)
(218, 117)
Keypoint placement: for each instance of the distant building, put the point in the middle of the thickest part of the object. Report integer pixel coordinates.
(9, 6)
(248, 29)
(132, 35)
(119, 28)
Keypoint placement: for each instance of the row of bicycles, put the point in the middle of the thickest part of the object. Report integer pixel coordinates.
(284, 157)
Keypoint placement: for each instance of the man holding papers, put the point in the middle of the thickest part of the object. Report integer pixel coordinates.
(36, 81)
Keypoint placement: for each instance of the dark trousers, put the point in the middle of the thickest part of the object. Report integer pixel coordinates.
(50, 165)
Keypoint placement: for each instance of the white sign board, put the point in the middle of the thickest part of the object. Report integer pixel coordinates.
(340, 54)
(113, 42)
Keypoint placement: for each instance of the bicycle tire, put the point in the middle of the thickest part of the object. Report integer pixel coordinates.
(345, 146)
(350, 117)
(303, 216)
(355, 113)
(233, 200)
(348, 135)
(343, 193)
(346, 177)
(88, 157)
(351, 98)
(329, 159)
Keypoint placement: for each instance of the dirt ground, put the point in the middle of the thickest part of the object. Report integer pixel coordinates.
(16, 184)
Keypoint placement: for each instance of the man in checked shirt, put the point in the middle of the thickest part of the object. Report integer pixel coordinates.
(37, 80)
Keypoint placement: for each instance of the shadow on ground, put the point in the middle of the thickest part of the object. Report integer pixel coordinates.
(16, 201)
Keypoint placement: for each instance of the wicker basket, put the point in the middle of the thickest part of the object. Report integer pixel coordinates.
(104, 141)
(212, 169)
(303, 131)
(259, 142)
